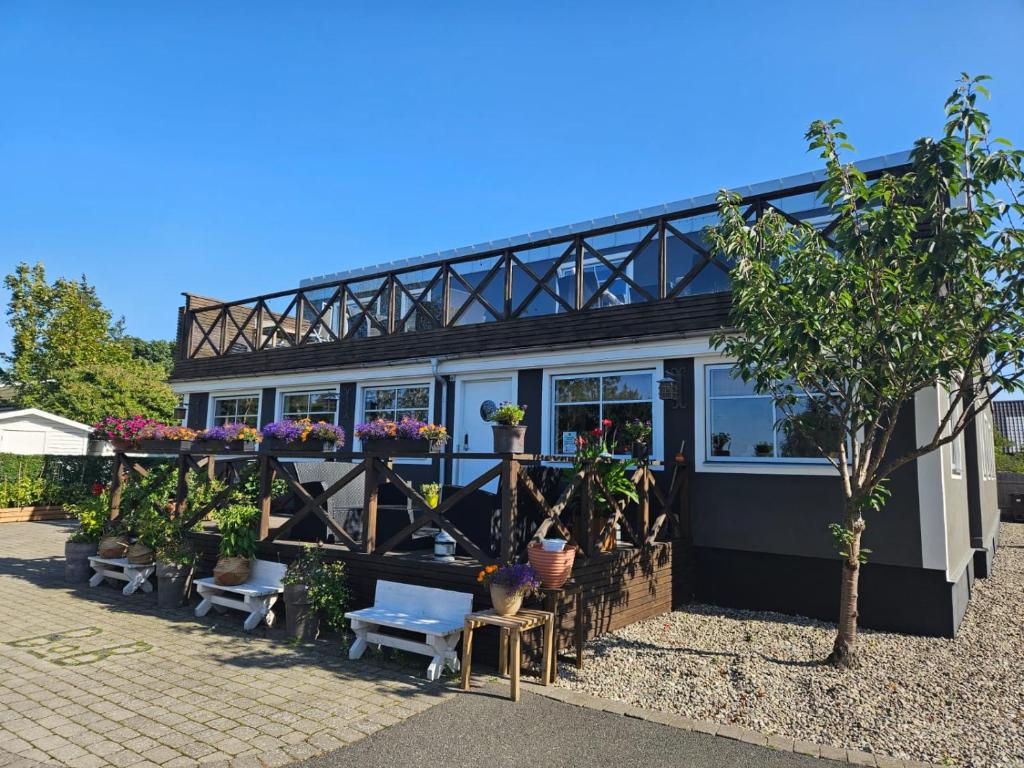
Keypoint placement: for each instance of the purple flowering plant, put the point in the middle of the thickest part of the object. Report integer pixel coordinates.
(520, 578)
(227, 433)
(385, 429)
(301, 430)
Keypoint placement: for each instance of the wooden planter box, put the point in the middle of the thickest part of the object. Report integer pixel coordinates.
(404, 445)
(159, 446)
(218, 446)
(31, 514)
(271, 444)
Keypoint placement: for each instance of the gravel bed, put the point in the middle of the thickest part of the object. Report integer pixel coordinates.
(953, 702)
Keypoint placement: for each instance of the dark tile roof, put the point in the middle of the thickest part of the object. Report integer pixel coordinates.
(1008, 416)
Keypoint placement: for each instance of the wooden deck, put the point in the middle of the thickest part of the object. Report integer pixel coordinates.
(632, 561)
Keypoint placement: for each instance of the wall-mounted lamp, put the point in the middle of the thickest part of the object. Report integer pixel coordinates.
(670, 388)
(181, 410)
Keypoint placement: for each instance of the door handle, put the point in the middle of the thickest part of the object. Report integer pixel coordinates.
(465, 442)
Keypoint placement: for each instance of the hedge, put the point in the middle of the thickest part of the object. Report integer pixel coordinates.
(50, 480)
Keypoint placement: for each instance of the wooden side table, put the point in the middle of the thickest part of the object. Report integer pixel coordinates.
(509, 645)
(551, 599)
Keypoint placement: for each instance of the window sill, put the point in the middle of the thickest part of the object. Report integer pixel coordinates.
(755, 467)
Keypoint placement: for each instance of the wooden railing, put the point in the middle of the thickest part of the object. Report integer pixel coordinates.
(659, 513)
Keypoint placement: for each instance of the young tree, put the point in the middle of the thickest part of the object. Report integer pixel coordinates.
(919, 283)
(70, 356)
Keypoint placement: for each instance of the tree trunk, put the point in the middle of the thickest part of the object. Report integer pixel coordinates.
(844, 652)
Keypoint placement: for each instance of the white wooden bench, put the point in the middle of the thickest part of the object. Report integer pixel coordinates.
(258, 593)
(119, 568)
(436, 613)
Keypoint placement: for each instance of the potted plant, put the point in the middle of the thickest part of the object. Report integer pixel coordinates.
(92, 514)
(553, 560)
(391, 437)
(123, 433)
(637, 434)
(509, 585)
(593, 455)
(436, 435)
(302, 435)
(236, 524)
(234, 437)
(314, 589)
(114, 541)
(720, 444)
(509, 433)
(431, 493)
(162, 438)
(763, 449)
(175, 565)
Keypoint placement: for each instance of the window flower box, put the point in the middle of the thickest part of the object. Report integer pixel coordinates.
(396, 445)
(302, 435)
(391, 437)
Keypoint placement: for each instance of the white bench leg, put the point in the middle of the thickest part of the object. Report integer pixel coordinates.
(137, 577)
(205, 604)
(360, 628)
(97, 579)
(444, 656)
(260, 611)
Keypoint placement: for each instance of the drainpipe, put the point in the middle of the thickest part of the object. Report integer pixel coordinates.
(444, 408)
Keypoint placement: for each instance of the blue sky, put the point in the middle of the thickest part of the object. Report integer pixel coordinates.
(232, 148)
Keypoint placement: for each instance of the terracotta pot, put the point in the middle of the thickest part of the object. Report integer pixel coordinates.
(113, 546)
(232, 571)
(552, 567)
(139, 554)
(509, 439)
(76, 560)
(505, 602)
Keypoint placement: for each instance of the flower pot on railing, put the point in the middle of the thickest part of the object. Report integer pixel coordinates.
(311, 445)
(120, 444)
(398, 445)
(505, 601)
(641, 449)
(220, 446)
(76, 560)
(554, 566)
(509, 438)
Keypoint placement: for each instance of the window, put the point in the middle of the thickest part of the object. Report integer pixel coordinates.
(396, 403)
(318, 405)
(956, 461)
(581, 401)
(988, 454)
(743, 425)
(237, 408)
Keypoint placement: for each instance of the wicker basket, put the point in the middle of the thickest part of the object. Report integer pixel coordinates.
(139, 554)
(232, 571)
(112, 546)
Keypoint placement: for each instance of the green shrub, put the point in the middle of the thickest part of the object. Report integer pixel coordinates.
(93, 514)
(237, 526)
(328, 586)
(50, 480)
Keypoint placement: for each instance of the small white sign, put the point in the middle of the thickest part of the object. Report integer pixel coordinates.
(569, 442)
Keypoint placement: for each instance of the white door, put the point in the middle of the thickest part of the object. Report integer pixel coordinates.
(31, 442)
(472, 433)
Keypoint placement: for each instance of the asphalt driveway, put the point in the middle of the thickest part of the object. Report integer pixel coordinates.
(485, 729)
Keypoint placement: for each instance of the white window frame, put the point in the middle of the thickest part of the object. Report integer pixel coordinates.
(738, 464)
(360, 417)
(956, 445)
(654, 368)
(211, 408)
(332, 388)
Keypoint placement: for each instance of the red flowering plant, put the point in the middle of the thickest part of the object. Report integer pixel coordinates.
(128, 429)
(593, 449)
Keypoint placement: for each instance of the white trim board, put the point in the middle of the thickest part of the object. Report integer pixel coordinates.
(22, 412)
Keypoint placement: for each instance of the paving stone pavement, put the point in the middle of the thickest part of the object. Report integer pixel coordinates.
(90, 678)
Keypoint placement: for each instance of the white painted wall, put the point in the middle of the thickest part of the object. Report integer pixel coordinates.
(35, 432)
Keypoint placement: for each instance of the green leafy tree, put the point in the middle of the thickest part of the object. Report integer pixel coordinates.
(157, 351)
(919, 284)
(69, 355)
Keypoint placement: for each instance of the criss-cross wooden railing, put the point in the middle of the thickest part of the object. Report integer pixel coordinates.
(575, 515)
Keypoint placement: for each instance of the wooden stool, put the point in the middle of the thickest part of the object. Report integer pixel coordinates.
(551, 599)
(509, 646)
